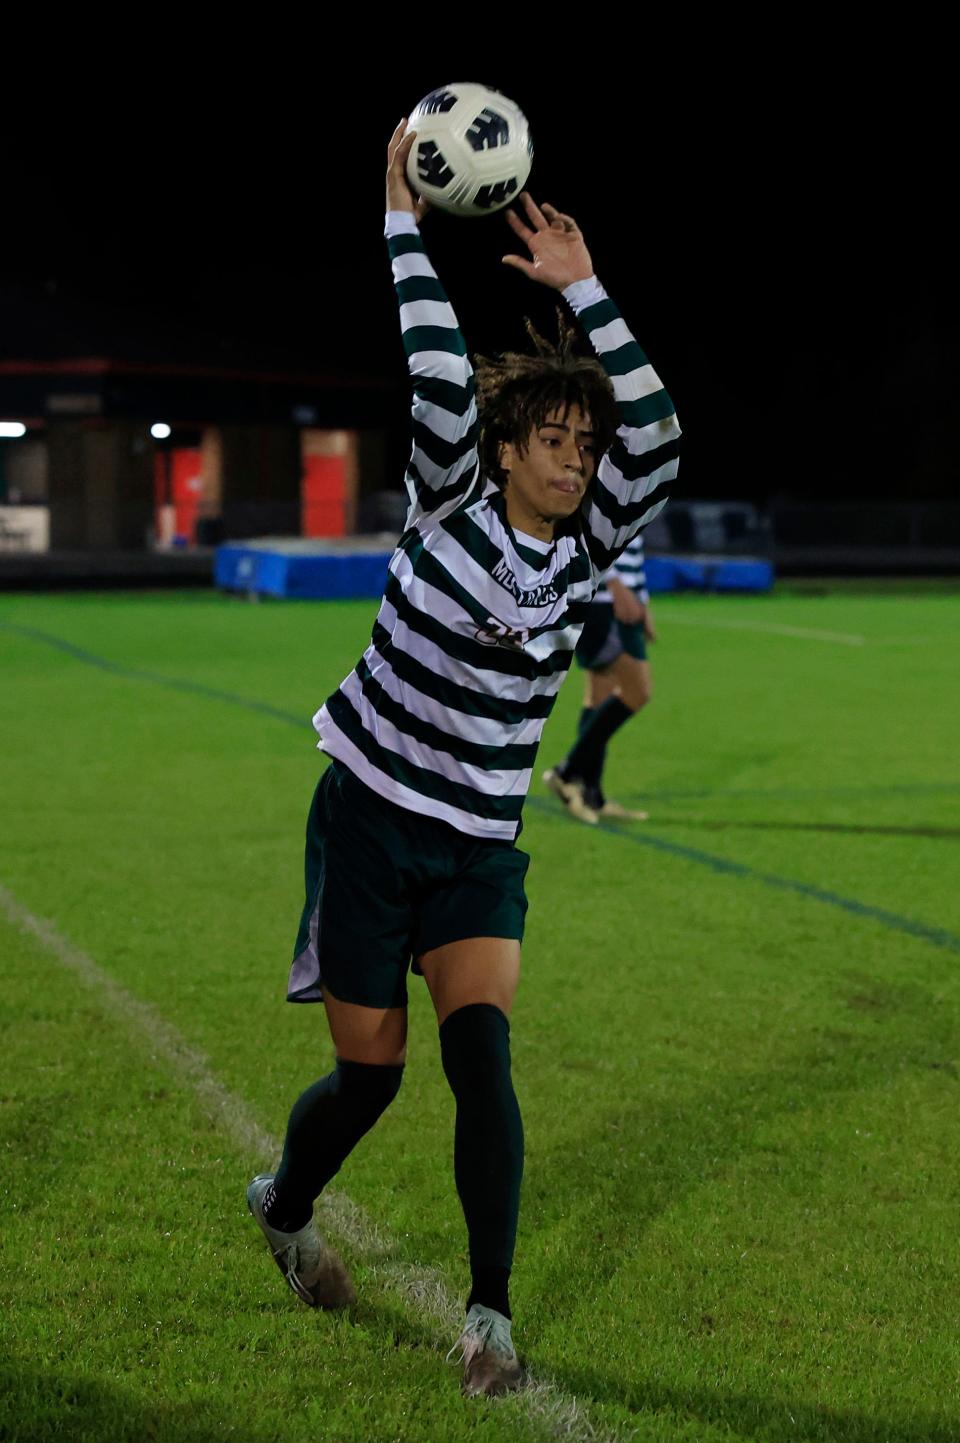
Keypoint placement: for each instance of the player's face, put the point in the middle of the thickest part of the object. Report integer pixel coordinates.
(546, 480)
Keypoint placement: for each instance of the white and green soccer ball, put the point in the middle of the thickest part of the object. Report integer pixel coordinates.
(473, 151)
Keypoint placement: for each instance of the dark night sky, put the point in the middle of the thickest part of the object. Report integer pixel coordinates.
(775, 233)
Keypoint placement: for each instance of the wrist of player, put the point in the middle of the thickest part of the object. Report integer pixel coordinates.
(400, 198)
(583, 291)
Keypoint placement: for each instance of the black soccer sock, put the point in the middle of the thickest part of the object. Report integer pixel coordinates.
(586, 717)
(326, 1123)
(586, 714)
(585, 760)
(488, 1144)
(591, 784)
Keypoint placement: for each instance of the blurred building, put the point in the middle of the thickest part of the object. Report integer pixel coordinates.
(137, 457)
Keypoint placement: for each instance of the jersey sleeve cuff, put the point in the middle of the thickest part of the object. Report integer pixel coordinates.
(400, 222)
(582, 294)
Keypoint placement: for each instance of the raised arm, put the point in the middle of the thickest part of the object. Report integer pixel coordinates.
(633, 477)
(443, 464)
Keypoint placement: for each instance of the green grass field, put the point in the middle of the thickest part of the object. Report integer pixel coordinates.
(735, 1044)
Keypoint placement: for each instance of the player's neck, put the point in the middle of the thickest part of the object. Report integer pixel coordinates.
(527, 521)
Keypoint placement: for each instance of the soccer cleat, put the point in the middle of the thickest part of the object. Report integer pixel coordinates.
(572, 796)
(490, 1363)
(554, 782)
(312, 1269)
(614, 812)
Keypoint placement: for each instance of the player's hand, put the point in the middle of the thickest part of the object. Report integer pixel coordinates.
(399, 194)
(558, 250)
(649, 630)
(627, 606)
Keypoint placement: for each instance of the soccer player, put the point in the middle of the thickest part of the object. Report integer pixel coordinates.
(526, 481)
(613, 650)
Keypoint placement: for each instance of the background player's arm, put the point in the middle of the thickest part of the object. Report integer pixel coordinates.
(443, 464)
(626, 582)
(634, 475)
(627, 606)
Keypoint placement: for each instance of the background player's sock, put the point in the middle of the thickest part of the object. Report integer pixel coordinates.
(488, 1144)
(326, 1123)
(587, 714)
(586, 717)
(585, 760)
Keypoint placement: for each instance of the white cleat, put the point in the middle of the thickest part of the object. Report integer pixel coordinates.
(614, 812)
(571, 794)
(312, 1269)
(490, 1363)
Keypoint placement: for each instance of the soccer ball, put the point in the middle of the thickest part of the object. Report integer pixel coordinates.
(473, 151)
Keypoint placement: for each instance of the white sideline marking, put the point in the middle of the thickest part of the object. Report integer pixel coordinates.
(423, 1289)
(805, 633)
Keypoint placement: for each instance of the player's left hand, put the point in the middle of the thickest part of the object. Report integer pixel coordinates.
(649, 630)
(554, 240)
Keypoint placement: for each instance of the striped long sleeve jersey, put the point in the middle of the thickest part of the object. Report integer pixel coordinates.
(444, 711)
(630, 567)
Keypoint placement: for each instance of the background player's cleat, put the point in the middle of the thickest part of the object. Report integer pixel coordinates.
(490, 1363)
(554, 782)
(579, 807)
(614, 812)
(311, 1268)
(572, 796)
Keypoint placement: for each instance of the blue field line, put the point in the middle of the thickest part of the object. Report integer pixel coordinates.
(156, 678)
(938, 936)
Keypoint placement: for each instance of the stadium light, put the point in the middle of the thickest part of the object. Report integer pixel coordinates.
(12, 429)
(160, 430)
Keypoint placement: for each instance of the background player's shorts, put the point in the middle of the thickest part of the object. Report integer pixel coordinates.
(604, 638)
(384, 885)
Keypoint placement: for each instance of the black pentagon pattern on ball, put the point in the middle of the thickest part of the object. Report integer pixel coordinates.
(438, 102)
(490, 196)
(431, 166)
(489, 130)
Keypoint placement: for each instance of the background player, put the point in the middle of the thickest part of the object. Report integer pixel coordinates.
(613, 650)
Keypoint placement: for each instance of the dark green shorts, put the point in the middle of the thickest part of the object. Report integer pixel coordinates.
(384, 885)
(604, 638)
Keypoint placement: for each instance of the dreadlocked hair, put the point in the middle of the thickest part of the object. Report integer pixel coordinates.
(516, 392)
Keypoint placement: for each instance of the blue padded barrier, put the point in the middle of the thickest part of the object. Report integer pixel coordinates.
(326, 572)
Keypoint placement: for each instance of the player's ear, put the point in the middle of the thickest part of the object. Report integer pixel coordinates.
(505, 456)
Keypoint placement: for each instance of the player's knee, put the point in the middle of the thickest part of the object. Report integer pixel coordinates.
(475, 1041)
(371, 1087)
(637, 691)
(475, 1049)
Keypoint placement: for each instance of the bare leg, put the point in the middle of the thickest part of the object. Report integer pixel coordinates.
(481, 969)
(599, 685)
(377, 1035)
(631, 680)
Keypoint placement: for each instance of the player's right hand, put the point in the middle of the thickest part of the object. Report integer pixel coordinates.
(558, 252)
(399, 194)
(627, 606)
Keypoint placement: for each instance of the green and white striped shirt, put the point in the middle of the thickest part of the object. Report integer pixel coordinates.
(478, 624)
(630, 567)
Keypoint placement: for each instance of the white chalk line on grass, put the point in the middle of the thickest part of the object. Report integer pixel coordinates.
(804, 633)
(423, 1289)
